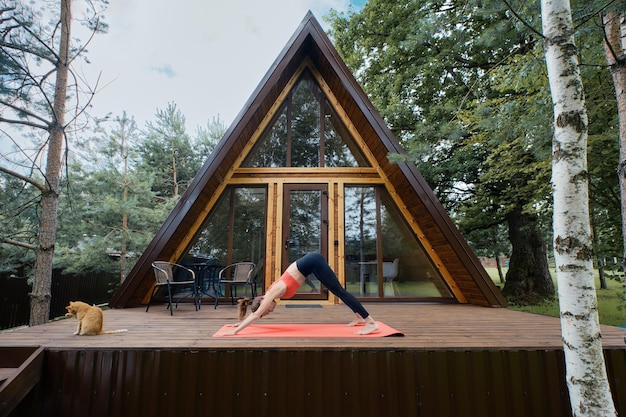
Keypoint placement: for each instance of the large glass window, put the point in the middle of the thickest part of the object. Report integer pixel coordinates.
(337, 151)
(383, 258)
(233, 232)
(305, 209)
(306, 132)
(305, 125)
(361, 240)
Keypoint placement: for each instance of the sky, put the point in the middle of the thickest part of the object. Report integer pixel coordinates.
(205, 56)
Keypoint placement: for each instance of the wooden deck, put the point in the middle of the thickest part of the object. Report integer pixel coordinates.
(454, 361)
(426, 326)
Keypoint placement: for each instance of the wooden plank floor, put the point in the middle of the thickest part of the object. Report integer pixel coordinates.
(426, 326)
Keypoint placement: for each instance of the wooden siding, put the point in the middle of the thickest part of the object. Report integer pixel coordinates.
(454, 360)
(282, 383)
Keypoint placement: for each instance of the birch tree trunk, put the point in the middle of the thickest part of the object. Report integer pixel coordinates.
(616, 59)
(41, 294)
(586, 376)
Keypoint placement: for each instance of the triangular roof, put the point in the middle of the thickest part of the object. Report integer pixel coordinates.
(311, 46)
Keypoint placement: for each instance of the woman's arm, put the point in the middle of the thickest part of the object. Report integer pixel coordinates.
(242, 325)
(275, 291)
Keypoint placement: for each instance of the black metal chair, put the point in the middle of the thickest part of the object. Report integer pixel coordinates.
(165, 274)
(240, 273)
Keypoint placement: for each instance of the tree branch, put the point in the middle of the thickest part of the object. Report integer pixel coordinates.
(524, 22)
(26, 112)
(609, 42)
(24, 178)
(16, 243)
(22, 122)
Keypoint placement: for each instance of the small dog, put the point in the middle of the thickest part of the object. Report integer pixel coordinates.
(242, 307)
(90, 319)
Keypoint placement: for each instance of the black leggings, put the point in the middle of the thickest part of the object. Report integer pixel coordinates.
(316, 264)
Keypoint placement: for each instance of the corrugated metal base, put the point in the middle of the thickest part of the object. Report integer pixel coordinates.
(320, 382)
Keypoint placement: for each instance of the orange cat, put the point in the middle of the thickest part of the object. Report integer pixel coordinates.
(89, 319)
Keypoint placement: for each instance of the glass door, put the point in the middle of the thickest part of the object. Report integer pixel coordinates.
(305, 230)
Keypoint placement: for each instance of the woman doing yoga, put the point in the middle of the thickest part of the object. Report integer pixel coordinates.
(292, 279)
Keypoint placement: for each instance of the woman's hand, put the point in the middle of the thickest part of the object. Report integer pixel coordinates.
(228, 333)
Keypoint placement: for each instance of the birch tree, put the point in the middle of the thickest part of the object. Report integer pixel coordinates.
(586, 376)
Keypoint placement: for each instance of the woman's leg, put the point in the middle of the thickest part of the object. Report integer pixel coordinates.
(316, 264)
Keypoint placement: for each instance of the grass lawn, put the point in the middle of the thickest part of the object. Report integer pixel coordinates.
(611, 306)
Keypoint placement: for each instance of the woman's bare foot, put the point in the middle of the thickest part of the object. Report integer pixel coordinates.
(370, 327)
(358, 321)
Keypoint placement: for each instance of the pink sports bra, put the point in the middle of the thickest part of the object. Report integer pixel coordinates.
(291, 284)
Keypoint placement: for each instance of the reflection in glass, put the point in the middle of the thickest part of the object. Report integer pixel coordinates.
(360, 238)
(305, 128)
(305, 230)
(305, 139)
(233, 232)
(337, 152)
(398, 267)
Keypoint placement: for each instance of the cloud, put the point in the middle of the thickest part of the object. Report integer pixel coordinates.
(221, 51)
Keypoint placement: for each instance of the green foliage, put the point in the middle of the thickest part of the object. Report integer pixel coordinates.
(120, 173)
(167, 154)
(208, 137)
(463, 85)
(426, 65)
(18, 221)
(91, 232)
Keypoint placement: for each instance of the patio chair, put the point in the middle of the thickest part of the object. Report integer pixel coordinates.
(240, 273)
(390, 273)
(168, 275)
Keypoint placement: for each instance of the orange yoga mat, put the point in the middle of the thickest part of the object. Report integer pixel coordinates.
(307, 330)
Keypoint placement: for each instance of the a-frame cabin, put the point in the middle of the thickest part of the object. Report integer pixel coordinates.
(304, 167)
